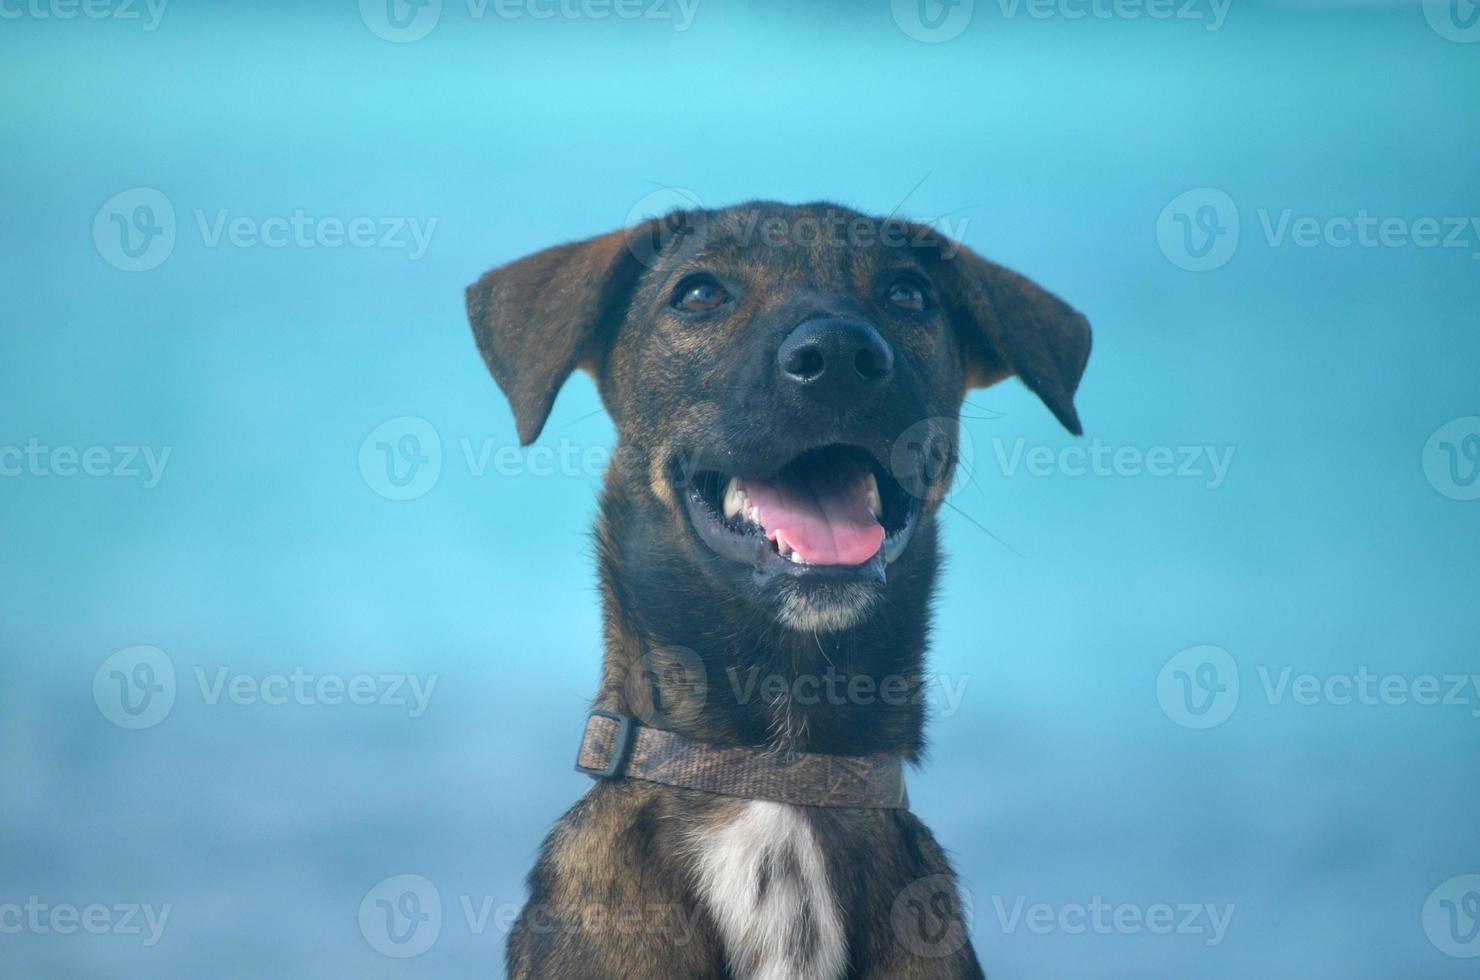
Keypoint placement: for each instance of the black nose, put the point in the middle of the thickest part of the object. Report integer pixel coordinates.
(836, 357)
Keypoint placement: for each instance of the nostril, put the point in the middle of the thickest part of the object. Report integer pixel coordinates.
(873, 364)
(806, 363)
(868, 366)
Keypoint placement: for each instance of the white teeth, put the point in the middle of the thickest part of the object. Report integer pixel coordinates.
(788, 552)
(871, 490)
(736, 499)
(737, 502)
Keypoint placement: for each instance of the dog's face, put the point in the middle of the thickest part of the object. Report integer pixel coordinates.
(785, 382)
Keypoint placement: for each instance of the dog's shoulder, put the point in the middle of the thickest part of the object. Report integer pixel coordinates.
(611, 895)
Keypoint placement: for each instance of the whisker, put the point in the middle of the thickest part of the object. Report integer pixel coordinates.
(907, 196)
(984, 529)
(582, 418)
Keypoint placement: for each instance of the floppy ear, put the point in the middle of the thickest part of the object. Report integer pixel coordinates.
(1011, 325)
(539, 318)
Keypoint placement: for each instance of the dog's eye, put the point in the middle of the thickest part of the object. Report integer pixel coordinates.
(906, 294)
(700, 295)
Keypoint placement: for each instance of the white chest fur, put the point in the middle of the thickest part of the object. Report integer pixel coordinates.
(764, 880)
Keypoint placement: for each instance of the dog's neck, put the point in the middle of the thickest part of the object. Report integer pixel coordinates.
(684, 656)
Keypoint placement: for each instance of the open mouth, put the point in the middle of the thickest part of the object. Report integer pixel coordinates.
(831, 512)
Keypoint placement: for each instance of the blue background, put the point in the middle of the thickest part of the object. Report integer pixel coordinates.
(1062, 776)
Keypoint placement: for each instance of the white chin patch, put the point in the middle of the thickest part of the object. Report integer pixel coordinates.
(828, 609)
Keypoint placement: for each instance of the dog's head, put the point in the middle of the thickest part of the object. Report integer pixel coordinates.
(785, 382)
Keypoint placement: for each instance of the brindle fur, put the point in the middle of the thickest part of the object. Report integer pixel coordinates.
(681, 630)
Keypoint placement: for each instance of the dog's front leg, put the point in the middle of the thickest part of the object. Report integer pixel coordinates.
(919, 960)
(915, 925)
(926, 938)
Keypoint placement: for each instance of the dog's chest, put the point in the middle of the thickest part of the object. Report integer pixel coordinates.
(762, 875)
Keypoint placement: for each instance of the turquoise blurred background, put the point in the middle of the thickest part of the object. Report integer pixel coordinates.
(1081, 754)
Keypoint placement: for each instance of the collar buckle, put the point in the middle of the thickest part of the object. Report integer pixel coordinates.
(621, 749)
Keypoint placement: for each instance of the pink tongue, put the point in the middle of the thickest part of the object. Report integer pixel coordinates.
(824, 516)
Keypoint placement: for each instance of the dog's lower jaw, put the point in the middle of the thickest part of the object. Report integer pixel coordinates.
(824, 608)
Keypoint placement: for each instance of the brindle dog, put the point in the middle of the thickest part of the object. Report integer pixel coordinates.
(785, 383)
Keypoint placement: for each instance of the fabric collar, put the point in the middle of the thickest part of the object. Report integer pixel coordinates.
(616, 747)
